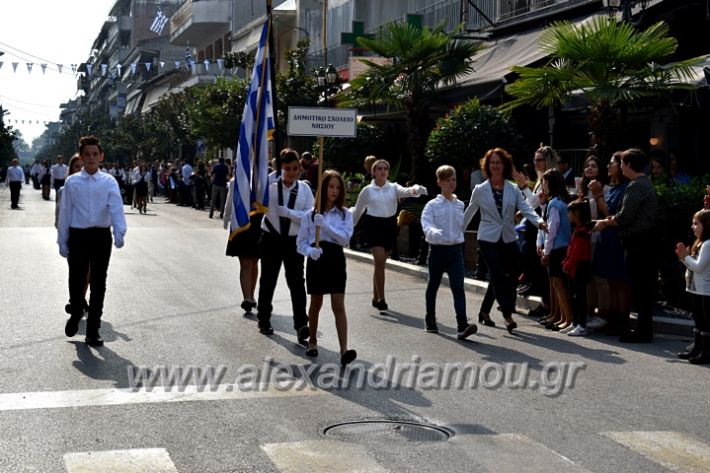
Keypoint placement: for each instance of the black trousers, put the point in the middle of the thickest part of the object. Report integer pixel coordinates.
(276, 250)
(89, 251)
(578, 291)
(639, 255)
(58, 183)
(15, 187)
(701, 312)
(502, 261)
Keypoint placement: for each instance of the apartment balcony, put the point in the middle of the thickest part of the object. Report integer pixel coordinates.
(197, 21)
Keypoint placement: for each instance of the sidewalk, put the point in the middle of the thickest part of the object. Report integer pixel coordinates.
(661, 323)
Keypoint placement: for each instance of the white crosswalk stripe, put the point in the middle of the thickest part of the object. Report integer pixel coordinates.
(148, 460)
(514, 453)
(321, 456)
(673, 450)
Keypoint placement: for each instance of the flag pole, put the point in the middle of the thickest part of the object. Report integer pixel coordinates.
(274, 95)
(320, 138)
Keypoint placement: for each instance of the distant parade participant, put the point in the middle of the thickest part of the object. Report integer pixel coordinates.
(14, 179)
(289, 200)
(59, 173)
(325, 270)
(34, 174)
(91, 203)
(380, 199)
(45, 178)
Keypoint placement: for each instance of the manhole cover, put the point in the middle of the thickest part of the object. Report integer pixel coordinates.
(388, 430)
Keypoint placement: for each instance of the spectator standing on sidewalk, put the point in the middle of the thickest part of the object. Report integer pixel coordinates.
(697, 262)
(59, 174)
(220, 178)
(442, 224)
(637, 221)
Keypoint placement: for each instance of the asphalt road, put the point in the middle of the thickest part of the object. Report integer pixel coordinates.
(586, 405)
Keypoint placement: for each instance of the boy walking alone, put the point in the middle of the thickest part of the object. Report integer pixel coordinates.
(91, 203)
(442, 223)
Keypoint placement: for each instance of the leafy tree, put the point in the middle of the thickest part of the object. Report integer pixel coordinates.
(214, 112)
(464, 136)
(7, 137)
(607, 63)
(348, 154)
(422, 59)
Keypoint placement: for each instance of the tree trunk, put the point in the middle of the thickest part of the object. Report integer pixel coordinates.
(604, 124)
(417, 132)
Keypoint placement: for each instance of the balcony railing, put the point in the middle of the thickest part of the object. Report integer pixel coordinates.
(181, 16)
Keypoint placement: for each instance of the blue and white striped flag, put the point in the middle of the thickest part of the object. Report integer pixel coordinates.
(251, 176)
(159, 22)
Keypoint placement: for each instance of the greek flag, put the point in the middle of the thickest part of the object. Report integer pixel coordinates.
(251, 191)
(159, 22)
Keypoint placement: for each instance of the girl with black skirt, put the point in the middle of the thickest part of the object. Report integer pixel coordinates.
(244, 245)
(325, 269)
(380, 199)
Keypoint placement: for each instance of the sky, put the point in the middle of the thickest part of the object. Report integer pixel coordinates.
(44, 31)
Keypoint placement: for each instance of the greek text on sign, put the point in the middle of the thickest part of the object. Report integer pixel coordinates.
(313, 121)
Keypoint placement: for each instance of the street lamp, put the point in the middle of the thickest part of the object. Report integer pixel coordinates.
(625, 6)
(326, 78)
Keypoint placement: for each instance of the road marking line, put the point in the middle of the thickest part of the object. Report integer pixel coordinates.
(147, 460)
(674, 450)
(329, 456)
(158, 394)
(514, 453)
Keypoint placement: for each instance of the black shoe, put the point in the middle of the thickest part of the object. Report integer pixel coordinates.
(221, 215)
(265, 328)
(692, 350)
(303, 335)
(246, 306)
(211, 214)
(94, 339)
(635, 336)
(72, 326)
(430, 325)
(381, 305)
(312, 352)
(465, 332)
(374, 303)
(513, 325)
(347, 357)
(539, 312)
(485, 320)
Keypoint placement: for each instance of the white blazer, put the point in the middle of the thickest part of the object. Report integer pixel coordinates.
(495, 226)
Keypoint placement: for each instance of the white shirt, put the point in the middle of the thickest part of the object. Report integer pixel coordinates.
(36, 169)
(381, 201)
(442, 221)
(15, 174)
(304, 202)
(697, 275)
(90, 200)
(59, 171)
(547, 240)
(186, 173)
(338, 229)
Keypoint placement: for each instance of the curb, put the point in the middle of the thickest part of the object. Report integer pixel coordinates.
(665, 325)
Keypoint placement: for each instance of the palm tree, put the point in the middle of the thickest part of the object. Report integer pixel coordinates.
(421, 60)
(608, 63)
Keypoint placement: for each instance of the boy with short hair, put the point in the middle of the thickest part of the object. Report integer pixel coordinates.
(289, 200)
(442, 222)
(91, 203)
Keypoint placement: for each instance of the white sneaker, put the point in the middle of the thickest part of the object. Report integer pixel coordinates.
(596, 323)
(569, 329)
(579, 331)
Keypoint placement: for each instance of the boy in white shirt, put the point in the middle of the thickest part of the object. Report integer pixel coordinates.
(442, 223)
(91, 203)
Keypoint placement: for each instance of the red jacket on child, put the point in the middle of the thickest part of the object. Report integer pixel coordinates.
(579, 249)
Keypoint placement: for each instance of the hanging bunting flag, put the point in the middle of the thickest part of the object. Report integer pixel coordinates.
(118, 68)
(148, 65)
(73, 68)
(1, 63)
(220, 63)
(14, 66)
(60, 66)
(89, 68)
(29, 67)
(207, 65)
(193, 66)
(177, 64)
(133, 68)
(23, 122)
(44, 68)
(104, 68)
(162, 65)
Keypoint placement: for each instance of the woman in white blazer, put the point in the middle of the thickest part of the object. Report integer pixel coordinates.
(498, 200)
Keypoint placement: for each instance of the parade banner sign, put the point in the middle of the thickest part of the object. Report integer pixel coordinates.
(313, 121)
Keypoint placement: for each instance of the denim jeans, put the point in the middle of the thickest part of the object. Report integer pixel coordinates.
(447, 258)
